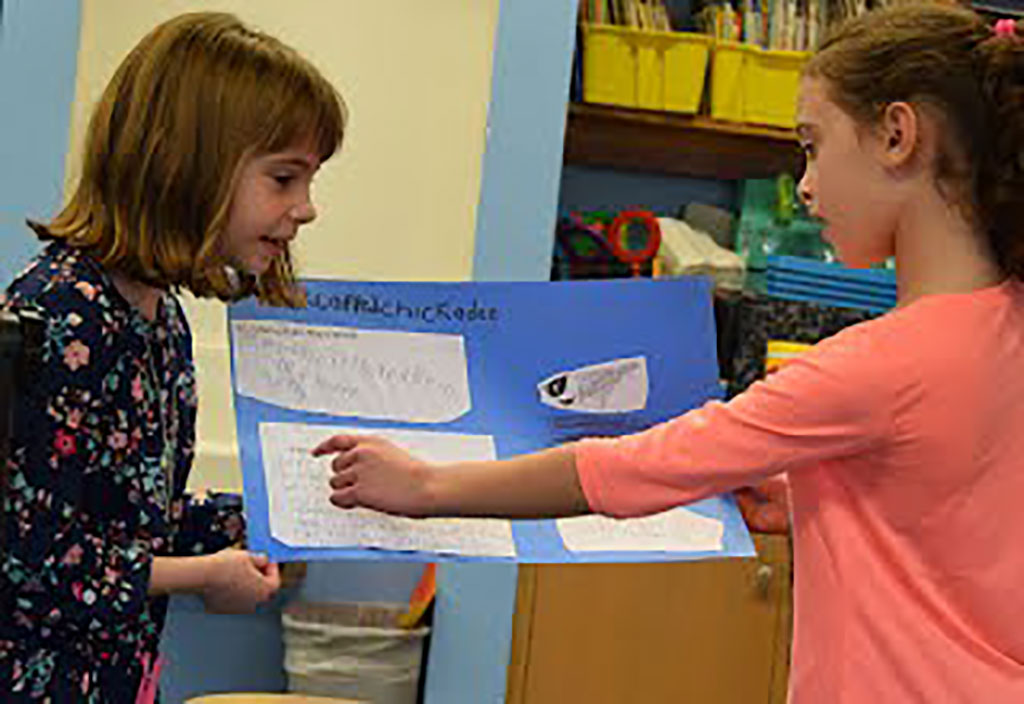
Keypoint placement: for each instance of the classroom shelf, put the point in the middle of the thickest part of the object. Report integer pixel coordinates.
(1009, 8)
(668, 143)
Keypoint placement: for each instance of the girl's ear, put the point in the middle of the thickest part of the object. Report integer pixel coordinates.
(900, 130)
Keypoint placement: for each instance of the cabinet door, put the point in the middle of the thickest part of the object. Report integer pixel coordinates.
(710, 632)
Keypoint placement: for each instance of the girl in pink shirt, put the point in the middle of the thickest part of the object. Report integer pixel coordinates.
(902, 438)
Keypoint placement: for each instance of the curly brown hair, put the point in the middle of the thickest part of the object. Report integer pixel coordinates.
(197, 97)
(950, 59)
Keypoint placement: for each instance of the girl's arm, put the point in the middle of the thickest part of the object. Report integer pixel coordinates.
(178, 575)
(836, 401)
(369, 471)
(230, 581)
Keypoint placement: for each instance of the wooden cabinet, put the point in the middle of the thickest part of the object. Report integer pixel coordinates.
(709, 632)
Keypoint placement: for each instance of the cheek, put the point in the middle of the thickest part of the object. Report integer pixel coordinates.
(247, 221)
(249, 204)
(834, 172)
(842, 187)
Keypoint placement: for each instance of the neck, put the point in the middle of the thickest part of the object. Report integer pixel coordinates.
(938, 250)
(142, 296)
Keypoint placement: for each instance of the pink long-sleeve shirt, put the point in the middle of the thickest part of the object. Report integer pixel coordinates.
(903, 440)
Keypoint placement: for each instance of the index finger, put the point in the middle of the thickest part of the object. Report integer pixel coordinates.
(338, 443)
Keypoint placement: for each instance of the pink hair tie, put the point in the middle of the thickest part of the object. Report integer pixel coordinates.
(1006, 28)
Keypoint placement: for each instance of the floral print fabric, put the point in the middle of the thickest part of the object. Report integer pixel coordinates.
(103, 442)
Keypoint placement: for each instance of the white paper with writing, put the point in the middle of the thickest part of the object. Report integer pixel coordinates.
(677, 530)
(381, 374)
(302, 516)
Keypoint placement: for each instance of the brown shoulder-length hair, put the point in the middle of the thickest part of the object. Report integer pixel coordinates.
(193, 100)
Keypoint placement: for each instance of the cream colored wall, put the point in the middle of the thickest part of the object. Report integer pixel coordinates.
(399, 203)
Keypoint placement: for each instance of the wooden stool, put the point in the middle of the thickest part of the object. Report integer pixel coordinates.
(256, 698)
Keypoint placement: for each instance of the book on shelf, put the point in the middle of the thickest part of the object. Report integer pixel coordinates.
(651, 15)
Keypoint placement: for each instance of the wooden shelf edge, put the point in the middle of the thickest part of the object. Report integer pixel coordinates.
(639, 140)
(679, 121)
(994, 7)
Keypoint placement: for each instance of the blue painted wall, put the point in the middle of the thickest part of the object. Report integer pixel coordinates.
(515, 233)
(526, 131)
(38, 53)
(217, 653)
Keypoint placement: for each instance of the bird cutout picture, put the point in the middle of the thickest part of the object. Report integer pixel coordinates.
(618, 386)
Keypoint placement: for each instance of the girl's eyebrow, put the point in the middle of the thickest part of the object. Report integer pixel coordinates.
(297, 161)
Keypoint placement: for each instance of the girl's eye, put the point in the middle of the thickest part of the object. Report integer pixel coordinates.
(808, 149)
(284, 179)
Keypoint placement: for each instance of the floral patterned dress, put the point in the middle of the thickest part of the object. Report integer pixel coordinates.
(102, 447)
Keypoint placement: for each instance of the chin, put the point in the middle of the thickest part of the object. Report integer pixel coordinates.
(860, 260)
(855, 255)
(258, 266)
(854, 260)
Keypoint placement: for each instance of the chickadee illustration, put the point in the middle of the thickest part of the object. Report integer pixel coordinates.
(617, 386)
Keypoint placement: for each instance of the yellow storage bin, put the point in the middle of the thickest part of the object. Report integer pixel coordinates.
(755, 85)
(779, 353)
(644, 69)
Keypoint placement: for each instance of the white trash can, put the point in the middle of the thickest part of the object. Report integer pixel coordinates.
(352, 650)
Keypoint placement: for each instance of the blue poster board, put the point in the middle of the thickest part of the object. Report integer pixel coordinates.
(515, 336)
